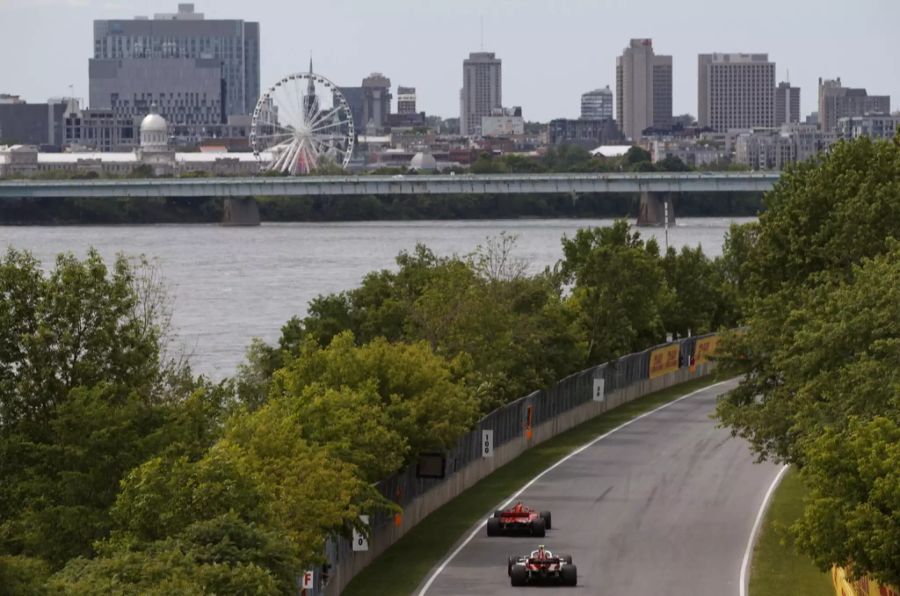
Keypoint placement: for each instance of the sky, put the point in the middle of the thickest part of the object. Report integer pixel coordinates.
(552, 50)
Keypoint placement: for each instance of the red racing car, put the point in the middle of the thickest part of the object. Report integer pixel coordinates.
(542, 567)
(518, 519)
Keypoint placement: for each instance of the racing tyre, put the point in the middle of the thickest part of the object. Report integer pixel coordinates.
(566, 558)
(518, 576)
(509, 565)
(569, 575)
(538, 528)
(493, 527)
(546, 516)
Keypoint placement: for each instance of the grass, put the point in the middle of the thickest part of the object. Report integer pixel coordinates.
(403, 566)
(777, 567)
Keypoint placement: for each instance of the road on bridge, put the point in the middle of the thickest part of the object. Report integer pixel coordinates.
(665, 505)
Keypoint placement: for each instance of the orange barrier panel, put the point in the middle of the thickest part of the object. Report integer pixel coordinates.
(864, 586)
(663, 361)
(705, 348)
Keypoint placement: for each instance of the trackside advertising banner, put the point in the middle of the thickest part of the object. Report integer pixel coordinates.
(664, 361)
(704, 348)
(861, 587)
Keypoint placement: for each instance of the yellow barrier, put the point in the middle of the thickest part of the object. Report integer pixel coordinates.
(705, 348)
(861, 587)
(664, 360)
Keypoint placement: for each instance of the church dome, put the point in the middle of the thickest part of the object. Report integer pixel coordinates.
(154, 123)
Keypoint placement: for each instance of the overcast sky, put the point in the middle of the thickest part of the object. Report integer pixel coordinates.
(552, 50)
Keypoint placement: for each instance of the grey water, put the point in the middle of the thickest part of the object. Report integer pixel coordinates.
(228, 285)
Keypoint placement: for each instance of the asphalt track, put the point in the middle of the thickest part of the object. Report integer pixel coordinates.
(663, 506)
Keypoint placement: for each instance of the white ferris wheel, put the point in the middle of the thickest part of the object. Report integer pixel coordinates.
(303, 123)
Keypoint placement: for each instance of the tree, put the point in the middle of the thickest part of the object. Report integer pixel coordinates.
(619, 291)
(424, 403)
(702, 302)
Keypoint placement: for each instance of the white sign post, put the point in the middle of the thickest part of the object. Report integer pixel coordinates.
(360, 543)
(487, 443)
(599, 390)
(307, 583)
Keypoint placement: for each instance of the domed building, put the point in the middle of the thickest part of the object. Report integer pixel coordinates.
(154, 150)
(154, 132)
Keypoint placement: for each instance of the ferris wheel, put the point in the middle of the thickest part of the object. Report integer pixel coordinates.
(304, 123)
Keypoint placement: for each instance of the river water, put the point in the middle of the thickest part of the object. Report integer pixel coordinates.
(229, 285)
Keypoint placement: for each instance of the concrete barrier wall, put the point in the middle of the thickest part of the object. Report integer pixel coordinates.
(382, 538)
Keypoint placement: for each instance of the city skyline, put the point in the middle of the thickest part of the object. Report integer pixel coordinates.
(572, 49)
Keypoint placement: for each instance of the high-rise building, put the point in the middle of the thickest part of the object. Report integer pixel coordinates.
(837, 101)
(735, 91)
(787, 104)
(195, 71)
(406, 100)
(38, 124)
(643, 89)
(597, 104)
(481, 91)
(370, 104)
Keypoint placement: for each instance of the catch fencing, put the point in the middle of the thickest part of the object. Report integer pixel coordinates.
(515, 428)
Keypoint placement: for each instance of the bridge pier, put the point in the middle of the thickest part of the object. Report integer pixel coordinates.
(241, 212)
(652, 209)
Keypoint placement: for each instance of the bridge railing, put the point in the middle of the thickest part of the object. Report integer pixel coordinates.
(516, 427)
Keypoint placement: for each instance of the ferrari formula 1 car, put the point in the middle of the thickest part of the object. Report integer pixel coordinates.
(518, 519)
(542, 567)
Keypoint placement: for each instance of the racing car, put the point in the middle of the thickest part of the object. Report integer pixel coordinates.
(518, 519)
(542, 567)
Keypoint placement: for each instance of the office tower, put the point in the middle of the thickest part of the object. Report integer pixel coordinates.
(370, 104)
(735, 91)
(837, 101)
(787, 104)
(597, 104)
(481, 91)
(195, 71)
(406, 100)
(643, 89)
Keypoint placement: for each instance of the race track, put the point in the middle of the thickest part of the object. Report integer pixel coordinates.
(663, 506)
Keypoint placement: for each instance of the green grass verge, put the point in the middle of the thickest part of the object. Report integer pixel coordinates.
(403, 566)
(777, 567)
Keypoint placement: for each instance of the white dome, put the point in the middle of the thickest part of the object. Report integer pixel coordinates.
(154, 123)
(423, 161)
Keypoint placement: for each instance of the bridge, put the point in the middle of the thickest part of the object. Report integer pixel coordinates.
(655, 188)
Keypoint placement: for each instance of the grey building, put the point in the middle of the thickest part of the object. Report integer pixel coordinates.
(583, 132)
(787, 104)
(482, 91)
(370, 104)
(39, 124)
(735, 91)
(875, 127)
(196, 71)
(597, 104)
(643, 89)
(837, 101)
(406, 100)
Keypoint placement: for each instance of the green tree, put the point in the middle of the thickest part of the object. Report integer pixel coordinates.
(620, 292)
(418, 389)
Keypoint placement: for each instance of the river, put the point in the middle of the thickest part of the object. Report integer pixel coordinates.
(229, 285)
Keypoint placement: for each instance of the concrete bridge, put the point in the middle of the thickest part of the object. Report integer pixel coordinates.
(655, 188)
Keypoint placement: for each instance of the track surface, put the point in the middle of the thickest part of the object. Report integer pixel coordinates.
(663, 506)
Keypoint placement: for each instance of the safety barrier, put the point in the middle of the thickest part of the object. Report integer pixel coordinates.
(514, 428)
(843, 586)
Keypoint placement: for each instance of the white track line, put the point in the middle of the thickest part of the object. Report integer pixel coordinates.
(515, 496)
(745, 564)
